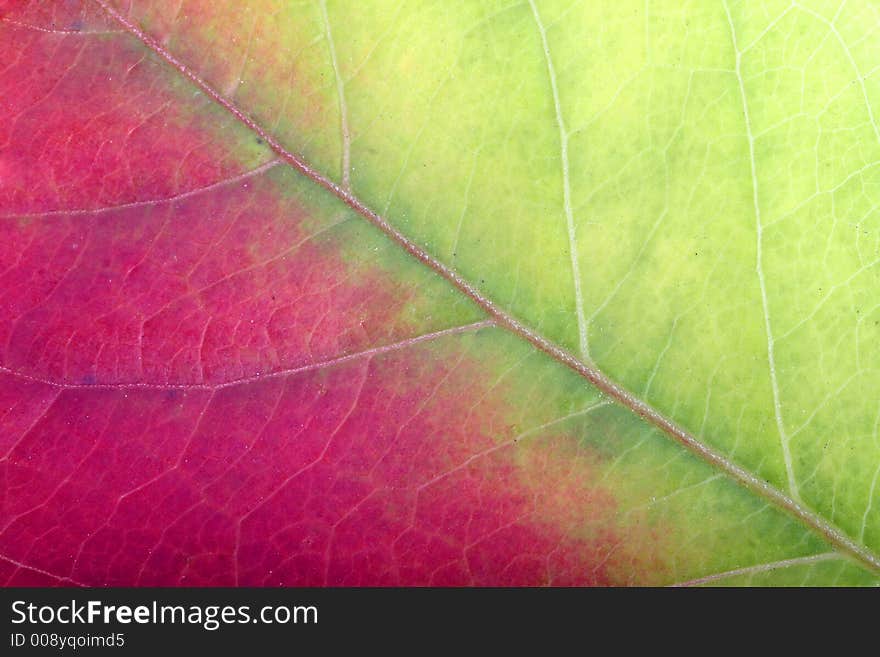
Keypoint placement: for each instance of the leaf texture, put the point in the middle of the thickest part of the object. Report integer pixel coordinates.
(218, 366)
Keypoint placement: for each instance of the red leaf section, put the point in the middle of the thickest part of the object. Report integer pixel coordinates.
(167, 412)
(219, 283)
(89, 124)
(58, 17)
(223, 285)
(365, 473)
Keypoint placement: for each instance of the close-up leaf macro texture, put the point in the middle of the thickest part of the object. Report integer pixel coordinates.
(422, 292)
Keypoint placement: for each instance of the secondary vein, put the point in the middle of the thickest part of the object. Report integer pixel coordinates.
(307, 367)
(759, 269)
(343, 109)
(583, 327)
(761, 568)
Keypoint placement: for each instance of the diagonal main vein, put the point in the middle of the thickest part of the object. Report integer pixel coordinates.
(599, 379)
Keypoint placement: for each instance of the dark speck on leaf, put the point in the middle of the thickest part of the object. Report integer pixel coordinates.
(259, 141)
(89, 379)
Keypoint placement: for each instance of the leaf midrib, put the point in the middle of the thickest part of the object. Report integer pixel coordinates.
(817, 523)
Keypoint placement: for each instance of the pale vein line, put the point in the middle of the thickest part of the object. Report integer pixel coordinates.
(821, 525)
(655, 501)
(852, 62)
(37, 28)
(343, 110)
(770, 27)
(235, 81)
(771, 360)
(873, 488)
(825, 401)
(761, 568)
(331, 362)
(244, 454)
(464, 206)
(60, 578)
(158, 201)
(834, 288)
(570, 416)
(566, 190)
(33, 425)
(870, 505)
(308, 466)
(513, 441)
(661, 356)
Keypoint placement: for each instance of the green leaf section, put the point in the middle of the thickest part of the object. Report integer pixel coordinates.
(683, 193)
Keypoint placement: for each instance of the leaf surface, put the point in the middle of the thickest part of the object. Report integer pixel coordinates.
(220, 367)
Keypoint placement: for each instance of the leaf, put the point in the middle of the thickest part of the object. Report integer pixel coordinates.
(381, 293)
